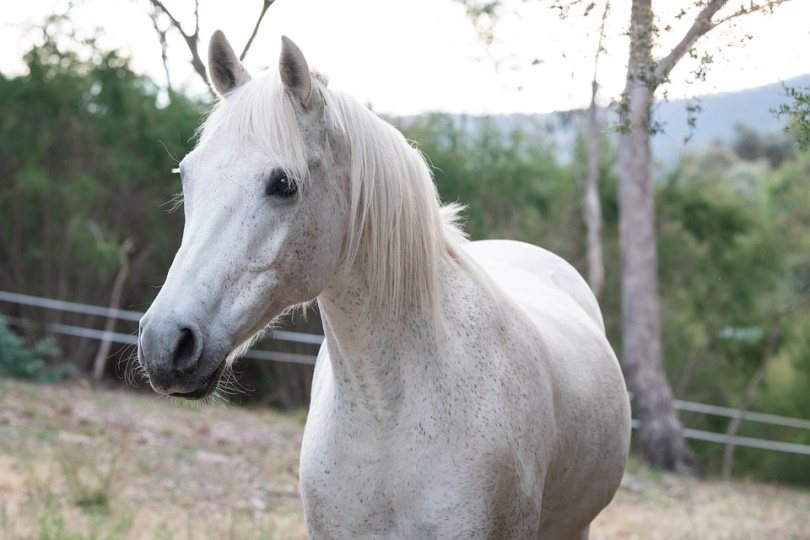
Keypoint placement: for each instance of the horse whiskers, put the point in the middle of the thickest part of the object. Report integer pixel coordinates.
(134, 372)
(233, 379)
(174, 203)
(216, 398)
(229, 385)
(128, 362)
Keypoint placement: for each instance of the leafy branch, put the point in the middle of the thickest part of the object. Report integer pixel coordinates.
(799, 113)
(703, 23)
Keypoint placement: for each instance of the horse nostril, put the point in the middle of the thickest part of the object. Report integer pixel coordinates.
(185, 352)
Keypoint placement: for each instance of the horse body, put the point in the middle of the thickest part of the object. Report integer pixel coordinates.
(464, 390)
(508, 428)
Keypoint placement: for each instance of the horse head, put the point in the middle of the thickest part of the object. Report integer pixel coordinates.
(266, 212)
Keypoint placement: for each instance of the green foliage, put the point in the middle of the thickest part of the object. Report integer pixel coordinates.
(751, 145)
(86, 147)
(799, 113)
(508, 176)
(22, 362)
(715, 267)
(733, 252)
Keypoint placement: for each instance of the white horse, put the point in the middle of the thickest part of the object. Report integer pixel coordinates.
(464, 390)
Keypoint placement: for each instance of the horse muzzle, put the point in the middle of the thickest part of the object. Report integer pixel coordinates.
(177, 359)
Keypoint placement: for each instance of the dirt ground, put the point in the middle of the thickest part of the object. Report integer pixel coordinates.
(79, 463)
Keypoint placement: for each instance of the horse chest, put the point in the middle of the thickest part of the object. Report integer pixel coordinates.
(419, 483)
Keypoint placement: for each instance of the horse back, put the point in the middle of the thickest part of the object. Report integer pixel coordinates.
(543, 265)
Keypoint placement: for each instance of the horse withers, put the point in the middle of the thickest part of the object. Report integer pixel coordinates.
(464, 389)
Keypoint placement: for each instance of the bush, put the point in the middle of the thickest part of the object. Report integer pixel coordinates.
(21, 362)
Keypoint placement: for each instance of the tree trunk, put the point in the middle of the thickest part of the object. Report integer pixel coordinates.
(751, 393)
(592, 207)
(661, 433)
(100, 362)
(752, 390)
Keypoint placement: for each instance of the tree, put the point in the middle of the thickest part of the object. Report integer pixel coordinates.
(84, 149)
(798, 111)
(661, 438)
(591, 205)
(192, 38)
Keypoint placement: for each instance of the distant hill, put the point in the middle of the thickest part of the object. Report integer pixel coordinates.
(716, 121)
(720, 113)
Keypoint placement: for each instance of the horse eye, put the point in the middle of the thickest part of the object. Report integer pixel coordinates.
(281, 185)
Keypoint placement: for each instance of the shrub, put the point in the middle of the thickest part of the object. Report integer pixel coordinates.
(22, 362)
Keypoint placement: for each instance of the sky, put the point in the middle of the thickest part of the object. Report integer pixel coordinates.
(411, 56)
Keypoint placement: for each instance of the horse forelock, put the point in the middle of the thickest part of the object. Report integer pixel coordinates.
(261, 112)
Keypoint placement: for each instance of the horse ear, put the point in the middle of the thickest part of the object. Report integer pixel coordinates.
(224, 68)
(294, 71)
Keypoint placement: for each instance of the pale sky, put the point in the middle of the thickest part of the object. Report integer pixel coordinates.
(411, 56)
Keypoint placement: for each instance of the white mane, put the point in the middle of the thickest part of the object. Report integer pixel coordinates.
(397, 224)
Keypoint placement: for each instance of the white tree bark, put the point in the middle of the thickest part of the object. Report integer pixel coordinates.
(661, 433)
(592, 205)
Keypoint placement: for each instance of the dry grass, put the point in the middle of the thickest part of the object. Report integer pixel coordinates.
(655, 506)
(77, 463)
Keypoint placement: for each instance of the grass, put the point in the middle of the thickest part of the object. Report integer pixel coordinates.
(83, 464)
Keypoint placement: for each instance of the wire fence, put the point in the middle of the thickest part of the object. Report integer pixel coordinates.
(316, 339)
(135, 316)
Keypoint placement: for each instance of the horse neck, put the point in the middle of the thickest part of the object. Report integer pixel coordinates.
(372, 352)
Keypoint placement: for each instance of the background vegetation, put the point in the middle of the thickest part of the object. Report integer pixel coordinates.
(86, 146)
